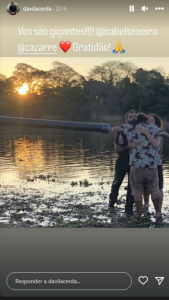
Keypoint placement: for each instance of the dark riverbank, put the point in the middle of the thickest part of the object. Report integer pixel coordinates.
(77, 205)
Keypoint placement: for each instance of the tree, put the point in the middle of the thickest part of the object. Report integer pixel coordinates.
(112, 72)
(63, 75)
(33, 77)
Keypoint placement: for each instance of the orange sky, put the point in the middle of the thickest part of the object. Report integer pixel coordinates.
(80, 64)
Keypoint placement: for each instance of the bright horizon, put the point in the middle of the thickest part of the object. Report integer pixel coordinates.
(82, 65)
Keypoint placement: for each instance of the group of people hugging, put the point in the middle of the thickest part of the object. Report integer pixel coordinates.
(138, 144)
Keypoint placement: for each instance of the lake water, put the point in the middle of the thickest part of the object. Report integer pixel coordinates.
(46, 172)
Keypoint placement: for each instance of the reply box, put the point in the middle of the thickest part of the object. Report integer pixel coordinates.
(117, 281)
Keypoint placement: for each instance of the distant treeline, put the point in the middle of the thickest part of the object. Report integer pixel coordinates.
(110, 89)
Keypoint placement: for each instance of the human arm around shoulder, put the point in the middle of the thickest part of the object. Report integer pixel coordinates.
(161, 132)
(119, 149)
(121, 145)
(165, 134)
(159, 141)
(122, 128)
(116, 129)
(151, 139)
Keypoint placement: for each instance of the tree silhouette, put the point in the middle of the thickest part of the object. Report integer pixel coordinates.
(111, 89)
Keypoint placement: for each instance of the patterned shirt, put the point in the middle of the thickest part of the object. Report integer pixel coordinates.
(144, 156)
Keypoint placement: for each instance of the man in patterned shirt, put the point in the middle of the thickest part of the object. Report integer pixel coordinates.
(122, 167)
(143, 164)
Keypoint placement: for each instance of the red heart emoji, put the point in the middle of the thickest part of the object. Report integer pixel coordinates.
(65, 46)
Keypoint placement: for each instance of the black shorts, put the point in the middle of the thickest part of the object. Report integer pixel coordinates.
(160, 176)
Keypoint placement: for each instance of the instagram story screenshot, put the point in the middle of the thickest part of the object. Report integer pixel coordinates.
(84, 149)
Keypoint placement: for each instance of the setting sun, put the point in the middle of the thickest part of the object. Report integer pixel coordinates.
(23, 89)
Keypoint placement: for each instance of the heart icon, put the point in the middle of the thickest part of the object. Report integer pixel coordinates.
(65, 46)
(143, 279)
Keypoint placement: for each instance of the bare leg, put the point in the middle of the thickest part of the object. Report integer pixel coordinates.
(156, 201)
(146, 200)
(138, 203)
(161, 194)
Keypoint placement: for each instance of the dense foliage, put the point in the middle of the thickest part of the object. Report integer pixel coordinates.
(111, 89)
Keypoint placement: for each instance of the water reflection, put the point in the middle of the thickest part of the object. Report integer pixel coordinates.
(67, 154)
(72, 155)
(43, 172)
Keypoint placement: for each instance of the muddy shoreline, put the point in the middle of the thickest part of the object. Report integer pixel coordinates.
(74, 205)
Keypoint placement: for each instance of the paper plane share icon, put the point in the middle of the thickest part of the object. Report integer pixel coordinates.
(159, 279)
